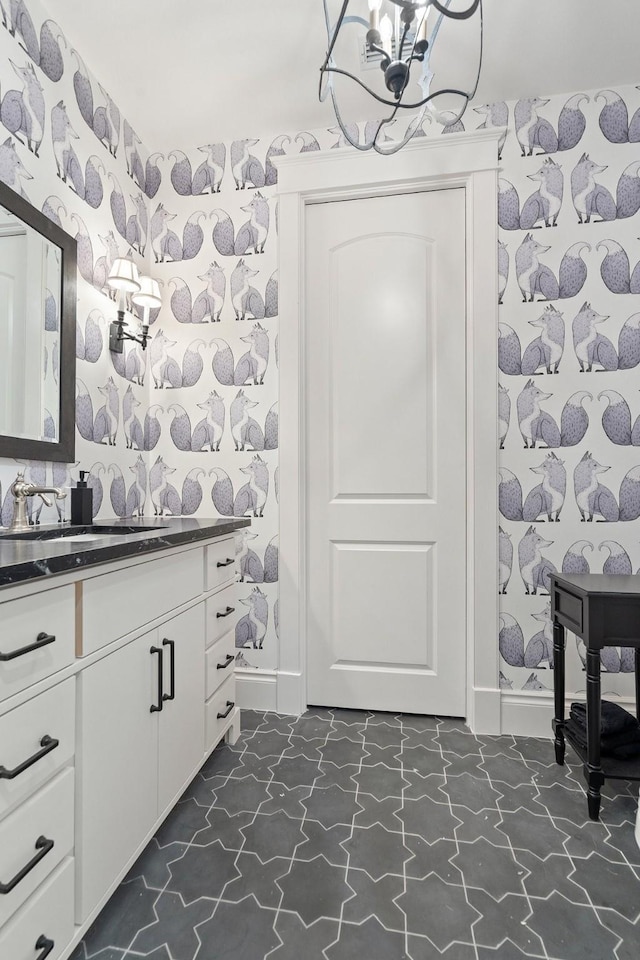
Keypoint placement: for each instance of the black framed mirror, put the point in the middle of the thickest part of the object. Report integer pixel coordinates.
(37, 333)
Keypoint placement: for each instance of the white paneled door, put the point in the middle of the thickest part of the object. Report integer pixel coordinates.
(386, 452)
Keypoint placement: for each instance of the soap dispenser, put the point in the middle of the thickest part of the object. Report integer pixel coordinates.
(82, 501)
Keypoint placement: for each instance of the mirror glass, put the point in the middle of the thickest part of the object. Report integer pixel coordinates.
(30, 296)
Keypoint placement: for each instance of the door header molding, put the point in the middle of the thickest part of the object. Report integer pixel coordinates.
(453, 160)
(420, 159)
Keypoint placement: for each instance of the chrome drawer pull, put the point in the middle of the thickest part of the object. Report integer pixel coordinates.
(230, 706)
(226, 563)
(223, 666)
(46, 945)
(41, 641)
(226, 613)
(47, 743)
(43, 846)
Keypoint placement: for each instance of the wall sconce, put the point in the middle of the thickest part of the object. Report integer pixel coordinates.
(144, 292)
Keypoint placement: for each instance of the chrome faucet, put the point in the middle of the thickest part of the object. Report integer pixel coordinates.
(21, 490)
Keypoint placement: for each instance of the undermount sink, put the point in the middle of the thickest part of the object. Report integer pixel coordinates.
(83, 534)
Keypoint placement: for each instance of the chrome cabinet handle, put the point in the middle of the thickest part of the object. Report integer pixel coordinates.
(47, 743)
(42, 640)
(226, 613)
(43, 846)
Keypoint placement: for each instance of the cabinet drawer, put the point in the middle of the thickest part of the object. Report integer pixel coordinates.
(118, 603)
(22, 739)
(51, 613)
(219, 661)
(222, 613)
(219, 703)
(48, 914)
(26, 836)
(220, 562)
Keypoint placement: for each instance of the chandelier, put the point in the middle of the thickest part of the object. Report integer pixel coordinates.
(403, 43)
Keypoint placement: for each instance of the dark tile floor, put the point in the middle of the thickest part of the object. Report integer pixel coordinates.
(351, 836)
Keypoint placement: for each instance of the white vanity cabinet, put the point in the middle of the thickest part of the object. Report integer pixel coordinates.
(103, 727)
(140, 711)
(37, 777)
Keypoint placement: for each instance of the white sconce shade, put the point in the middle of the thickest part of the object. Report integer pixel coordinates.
(375, 4)
(124, 276)
(148, 296)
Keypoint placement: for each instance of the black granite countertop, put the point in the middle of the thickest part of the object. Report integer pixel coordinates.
(37, 555)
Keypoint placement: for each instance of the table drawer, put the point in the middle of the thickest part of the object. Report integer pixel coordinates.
(115, 604)
(220, 562)
(222, 614)
(23, 731)
(46, 916)
(47, 614)
(222, 702)
(570, 609)
(33, 841)
(219, 661)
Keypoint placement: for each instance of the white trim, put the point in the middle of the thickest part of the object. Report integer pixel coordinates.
(529, 713)
(454, 160)
(256, 689)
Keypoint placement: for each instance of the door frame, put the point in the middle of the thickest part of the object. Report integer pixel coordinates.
(468, 161)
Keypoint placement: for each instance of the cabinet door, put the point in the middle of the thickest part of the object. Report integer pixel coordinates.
(118, 756)
(182, 718)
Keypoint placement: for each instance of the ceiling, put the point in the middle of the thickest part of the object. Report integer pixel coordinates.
(206, 70)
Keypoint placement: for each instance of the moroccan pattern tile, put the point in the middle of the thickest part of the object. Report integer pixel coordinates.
(347, 834)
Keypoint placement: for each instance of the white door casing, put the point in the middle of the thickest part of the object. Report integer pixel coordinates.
(386, 452)
(467, 161)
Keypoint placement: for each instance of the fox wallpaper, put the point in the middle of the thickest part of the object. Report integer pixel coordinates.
(569, 359)
(65, 147)
(191, 425)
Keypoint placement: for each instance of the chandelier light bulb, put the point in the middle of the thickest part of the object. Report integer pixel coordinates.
(386, 33)
(374, 14)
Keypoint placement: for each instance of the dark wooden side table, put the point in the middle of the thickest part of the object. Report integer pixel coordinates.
(605, 612)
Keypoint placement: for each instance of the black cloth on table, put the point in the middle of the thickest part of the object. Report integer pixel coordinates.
(613, 717)
(622, 745)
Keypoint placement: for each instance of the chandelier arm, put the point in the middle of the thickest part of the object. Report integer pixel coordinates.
(345, 132)
(372, 93)
(389, 148)
(332, 38)
(391, 103)
(403, 40)
(456, 14)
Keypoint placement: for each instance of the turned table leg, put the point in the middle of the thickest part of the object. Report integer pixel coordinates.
(593, 770)
(558, 690)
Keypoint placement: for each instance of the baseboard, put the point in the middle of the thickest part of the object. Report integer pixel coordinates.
(530, 714)
(485, 711)
(256, 689)
(292, 693)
